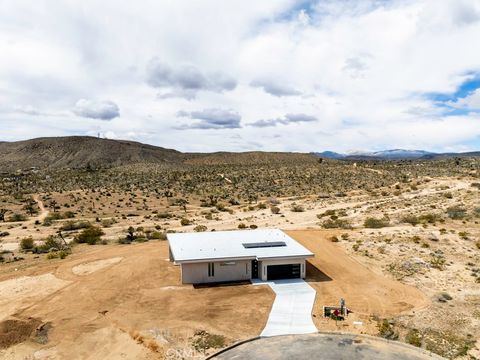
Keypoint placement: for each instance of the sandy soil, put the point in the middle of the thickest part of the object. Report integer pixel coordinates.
(91, 267)
(335, 275)
(19, 292)
(128, 305)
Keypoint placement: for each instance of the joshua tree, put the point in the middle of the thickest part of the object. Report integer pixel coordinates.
(183, 204)
(30, 207)
(53, 205)
(2, 214)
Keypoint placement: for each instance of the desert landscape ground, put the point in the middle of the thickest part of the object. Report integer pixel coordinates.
(84, 270)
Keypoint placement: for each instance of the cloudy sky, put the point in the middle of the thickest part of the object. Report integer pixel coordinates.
(243, 75)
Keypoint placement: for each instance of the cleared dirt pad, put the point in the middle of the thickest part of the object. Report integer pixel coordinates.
(91, 267)
(336, 275)
(126, 310)
(25, 290)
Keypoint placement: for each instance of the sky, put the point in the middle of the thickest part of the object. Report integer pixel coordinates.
(269, 75)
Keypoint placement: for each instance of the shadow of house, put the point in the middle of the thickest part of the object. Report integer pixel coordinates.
(314, 274)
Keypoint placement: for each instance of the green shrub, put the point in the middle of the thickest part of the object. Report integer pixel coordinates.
(456, 212)
(27, 243)
(297, 208)
(157, 235)
(17, 218)
(185, 222)
(410, 219)
(333, 239)
(90, 236)
(274, 209)
(336, 224)
(429, 218)
(373, 223)
(414, 338)
(200, 228)
(75, 225)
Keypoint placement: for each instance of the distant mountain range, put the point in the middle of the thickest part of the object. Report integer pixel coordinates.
(394, 154)
(86, 151)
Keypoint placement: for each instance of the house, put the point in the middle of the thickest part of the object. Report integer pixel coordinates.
(221, 256)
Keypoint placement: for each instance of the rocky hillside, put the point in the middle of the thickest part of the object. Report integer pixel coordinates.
(79, 152)
(84, 151)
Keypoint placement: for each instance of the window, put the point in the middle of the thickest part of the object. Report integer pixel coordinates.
(211, 269)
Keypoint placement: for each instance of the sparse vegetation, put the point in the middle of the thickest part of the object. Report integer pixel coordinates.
(91, 235)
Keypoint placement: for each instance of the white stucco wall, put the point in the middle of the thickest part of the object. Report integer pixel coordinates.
(196, 273)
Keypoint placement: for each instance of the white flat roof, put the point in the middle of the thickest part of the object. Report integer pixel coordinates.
(228, 245)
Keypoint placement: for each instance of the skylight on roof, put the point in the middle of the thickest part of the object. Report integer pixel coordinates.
(265, 244)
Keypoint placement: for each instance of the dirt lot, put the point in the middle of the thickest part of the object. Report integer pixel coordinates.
(127, 308)
(335, 275)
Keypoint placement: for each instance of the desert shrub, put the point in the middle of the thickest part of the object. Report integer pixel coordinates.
(27, 243)
(410, 219)
(200, 228)
(333, 239)
(203, 340)
(253, 226)
(326, 213)
(106, 223)
(456, 212)
(221, 207)
(164, 215)
(242, 226)
(374, 223)
(4, 233)
(414, 338)
(476, 212)
(336, 224)
(90, 235)
(477, 244)
(262, 206)
(51, 243)
(429, 218)
(74, 225)
(385, 330)
(60, 215)
(274, 209)
(17, 218)
(297, 208)
(157, 235)
(185, 222)
(437, 261)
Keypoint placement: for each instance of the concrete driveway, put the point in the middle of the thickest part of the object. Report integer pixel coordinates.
(292, 309)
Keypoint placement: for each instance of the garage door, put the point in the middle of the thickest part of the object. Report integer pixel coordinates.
(288, 271)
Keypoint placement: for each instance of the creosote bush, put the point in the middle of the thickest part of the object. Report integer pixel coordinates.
(90, 236)
(374, 223)
(27, 243)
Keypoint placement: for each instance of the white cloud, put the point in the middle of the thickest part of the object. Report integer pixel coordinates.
(102, 110)
(363, 69)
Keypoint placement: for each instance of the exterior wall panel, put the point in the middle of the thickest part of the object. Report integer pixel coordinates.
(197, 273)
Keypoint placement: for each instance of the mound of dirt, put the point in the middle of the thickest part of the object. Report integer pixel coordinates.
(15, 331)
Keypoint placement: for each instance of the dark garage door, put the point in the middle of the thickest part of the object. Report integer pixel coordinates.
(288, 271)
